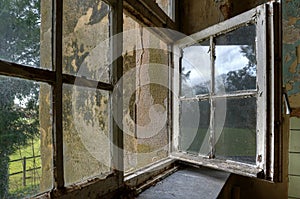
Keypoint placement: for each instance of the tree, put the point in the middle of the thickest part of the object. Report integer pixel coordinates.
(244, 78)
(19, 41)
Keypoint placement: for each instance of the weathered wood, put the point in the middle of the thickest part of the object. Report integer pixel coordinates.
(81, 81)
(261, 76)
(277, 122)
(225, 165)
(94, 188)
(212, 139)
(176, 102)
(236, 94)
(26, 72)
(257, 16)
(58, 160)
(139, 177)
(116, 100)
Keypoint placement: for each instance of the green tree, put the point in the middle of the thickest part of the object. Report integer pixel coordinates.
(19, 42)
(242, 79)
(245, 78)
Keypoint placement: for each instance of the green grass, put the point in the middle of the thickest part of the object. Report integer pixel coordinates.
(16, 188)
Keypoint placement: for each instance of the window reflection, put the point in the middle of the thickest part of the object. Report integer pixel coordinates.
(236, 61)
(195, 70)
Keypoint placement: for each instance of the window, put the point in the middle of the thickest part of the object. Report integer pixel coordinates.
(223, 89)
(58, 74)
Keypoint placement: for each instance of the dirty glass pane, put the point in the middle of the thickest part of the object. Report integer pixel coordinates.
(25, 138)
(166, 6)
(194, 127)
(86, 133)
(195, 70)
(21, 32)
(145, 96)
(86, 47)
(236, 139)
(236, 60)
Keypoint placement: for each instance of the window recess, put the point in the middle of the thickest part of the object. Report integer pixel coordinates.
(223, 107)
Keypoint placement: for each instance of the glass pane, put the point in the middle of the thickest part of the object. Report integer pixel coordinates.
(236, 60)
(86, 50)
(195, 70)
(165, 5)
(145, 96)
(194, 127)
(236, 139)
(21, 33)
(86, 133)
(25, 138)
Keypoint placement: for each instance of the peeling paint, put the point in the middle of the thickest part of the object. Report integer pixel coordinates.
(288, 86)
(294, 99)
(293, 67)
(291, 50)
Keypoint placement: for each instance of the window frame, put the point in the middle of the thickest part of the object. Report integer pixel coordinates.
(56, 79)
(267, 158)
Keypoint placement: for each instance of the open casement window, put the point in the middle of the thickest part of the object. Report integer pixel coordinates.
(224, 102)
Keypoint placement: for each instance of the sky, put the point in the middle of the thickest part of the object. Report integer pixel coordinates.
(197, 60)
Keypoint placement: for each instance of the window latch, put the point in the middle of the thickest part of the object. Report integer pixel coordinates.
(286, 102)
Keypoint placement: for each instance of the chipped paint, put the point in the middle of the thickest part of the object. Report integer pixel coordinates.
(291, 50)
(294, 99)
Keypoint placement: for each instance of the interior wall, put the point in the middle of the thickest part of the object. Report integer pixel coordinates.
(197, 15)
(291, 78)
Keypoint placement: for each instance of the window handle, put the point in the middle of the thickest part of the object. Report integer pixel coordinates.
(287, 102)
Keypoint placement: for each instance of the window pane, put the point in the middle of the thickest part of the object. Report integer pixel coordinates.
(195, 70)
(25, 138)
(86, 133)
(20, 36)
(165, 5)
(145, 96)
(236, 60)
(194, 127)
(86, 50)
(236, 140)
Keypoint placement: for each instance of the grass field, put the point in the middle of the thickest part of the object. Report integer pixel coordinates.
(16, 186)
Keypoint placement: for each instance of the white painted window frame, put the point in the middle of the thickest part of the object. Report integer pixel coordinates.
(266, 159)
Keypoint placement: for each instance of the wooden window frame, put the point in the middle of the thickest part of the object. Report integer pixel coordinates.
(56, 78)
(268, 165)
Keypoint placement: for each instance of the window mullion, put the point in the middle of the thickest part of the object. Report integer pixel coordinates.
(58, 166)
(176, 99)
(116, 37)
(212, 101)
(261, 152)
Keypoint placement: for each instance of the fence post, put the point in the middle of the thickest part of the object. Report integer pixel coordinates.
(24, 171)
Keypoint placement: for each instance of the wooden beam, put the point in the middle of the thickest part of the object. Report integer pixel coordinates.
(58, 161)
(26, 72)
(116, 99)
(92, 188)
(81, 81)
(224, 165)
